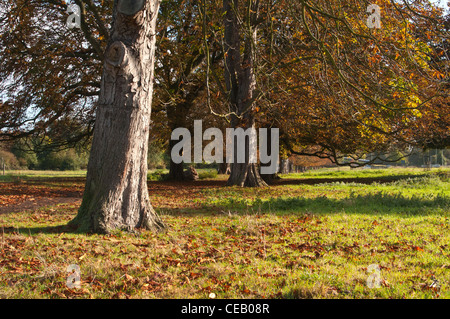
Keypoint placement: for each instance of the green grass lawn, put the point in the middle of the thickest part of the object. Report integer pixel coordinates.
(376, 172)
(287, 241)
(18, 175)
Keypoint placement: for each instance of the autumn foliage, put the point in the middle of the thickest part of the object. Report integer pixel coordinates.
(334, 86)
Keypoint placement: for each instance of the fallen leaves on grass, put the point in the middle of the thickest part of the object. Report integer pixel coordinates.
(239, 253)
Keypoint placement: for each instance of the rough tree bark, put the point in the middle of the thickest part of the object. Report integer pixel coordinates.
(116, 194)
(269, 178)
(176, 115)
(224, 168)
(284, 166)
(240, 82)
(176, 170)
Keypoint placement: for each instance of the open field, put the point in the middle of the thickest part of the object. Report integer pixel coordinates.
(312, 235)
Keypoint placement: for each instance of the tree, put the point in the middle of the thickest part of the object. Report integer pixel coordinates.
(49, 74)
(184, 50)
(240, 35)
(341, 88)
(432, 130)
(313, 68)
(116, 194)
(179, 57)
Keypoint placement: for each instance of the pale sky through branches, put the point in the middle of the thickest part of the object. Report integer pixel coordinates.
(443, 4)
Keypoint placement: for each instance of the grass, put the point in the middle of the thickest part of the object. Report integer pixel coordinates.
(346, 172)
(24, 175)
(286, 241)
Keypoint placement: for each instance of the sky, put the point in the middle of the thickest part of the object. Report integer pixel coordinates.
(442, 4)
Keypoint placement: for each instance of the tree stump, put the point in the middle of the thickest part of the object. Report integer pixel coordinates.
(191, 174)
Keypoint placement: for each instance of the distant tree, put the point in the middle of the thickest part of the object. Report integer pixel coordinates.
(8, 158)
(50, 75)
(187, 46)
(241, 24)
(340, 88)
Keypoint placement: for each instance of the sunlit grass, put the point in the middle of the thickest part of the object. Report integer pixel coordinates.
(347, 172)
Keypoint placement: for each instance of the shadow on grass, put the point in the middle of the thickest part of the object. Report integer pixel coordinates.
(378, 203)
(57, 229)
(359, 180)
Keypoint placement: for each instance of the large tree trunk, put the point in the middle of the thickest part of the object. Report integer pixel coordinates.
(116, 194)
(240, 82)
(269, 178)
(176, 170)
(245, 174)
(285, 166)
(176, 115)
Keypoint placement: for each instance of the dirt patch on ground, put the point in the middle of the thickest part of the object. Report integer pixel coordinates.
(17, 197)
(35, 203)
